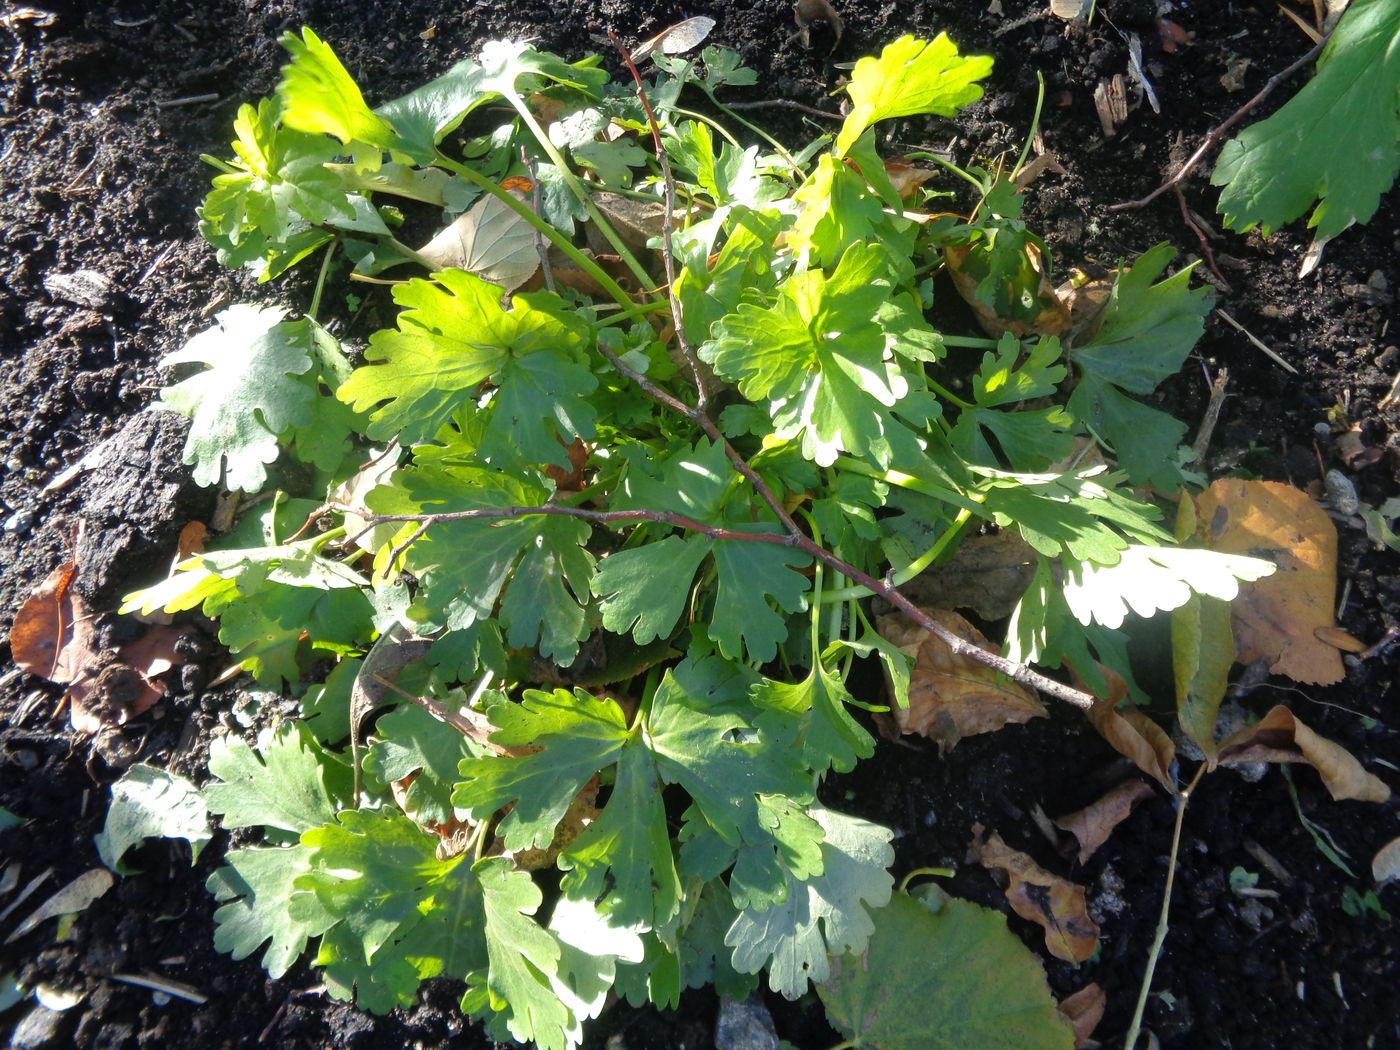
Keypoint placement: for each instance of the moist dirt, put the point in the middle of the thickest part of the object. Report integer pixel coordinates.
(99, 175)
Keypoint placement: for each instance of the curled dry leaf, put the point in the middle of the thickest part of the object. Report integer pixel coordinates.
(1280, 737)
(1093, 824)
(905, 177)
(805, 12)
(951, 696)
(1131, 733)
(1047, 900)
(191, 541)
(988, 575)
(1084, 1010)
(1276, 618)
(52, 635)
(1385, 866)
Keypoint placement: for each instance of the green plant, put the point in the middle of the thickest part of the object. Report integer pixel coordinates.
(1334, 142)
(611, 554)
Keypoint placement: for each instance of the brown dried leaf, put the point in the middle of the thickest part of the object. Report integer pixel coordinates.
(1084, 1010)
(489, 240)
(951, 696)
(1051, 902)
(1131, 733)
(988, 574)
(1093, 824)
(52, 635)
(1280, 737)
(1276, 618)
(191, 541)
(905, 177)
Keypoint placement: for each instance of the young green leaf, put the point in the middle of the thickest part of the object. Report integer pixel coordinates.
(254, 889)
(1146, 332)
(817, 356)
(825, 915)
(576, 735)
(318, 96)
(411, 742)
(152, 803)
(246, 397)
(454, 336)
(288, 783)
(463, 566)
(1336, 141)
(1153, 579)
(524, 960)
(911, 76)
(812, 715)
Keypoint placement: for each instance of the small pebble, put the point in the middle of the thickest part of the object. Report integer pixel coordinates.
(1341, 493)
(20, 522)
(745, 1026)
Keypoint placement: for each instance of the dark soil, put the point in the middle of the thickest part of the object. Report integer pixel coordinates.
(100, 171)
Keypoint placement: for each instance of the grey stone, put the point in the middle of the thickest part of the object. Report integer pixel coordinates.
(41, 1029)
(745, 1026)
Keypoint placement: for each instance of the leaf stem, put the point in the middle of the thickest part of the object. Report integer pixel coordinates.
(937, 873)
(914, 568)
(577, 188)
(583, 262)
(1161, 935)
(724, 133)
(315, 306)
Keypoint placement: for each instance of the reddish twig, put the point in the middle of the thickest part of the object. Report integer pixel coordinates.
(702, 393)
(1218, 132)
(1195, 228)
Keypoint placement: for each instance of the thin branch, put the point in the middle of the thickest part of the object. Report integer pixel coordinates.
(1195, 228)
(702, 393)
(784, 103)
(1161, 936)
(1218, 132)
(792, 537)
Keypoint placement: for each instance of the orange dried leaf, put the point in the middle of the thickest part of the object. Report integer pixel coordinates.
(1276, 618)
(52, 635)
(1280, 737)
(1340, 639)
(1093, 824)
(1084, 1010)
(191, 541)
(951, 696)
(1131, 733)
(1051, 902)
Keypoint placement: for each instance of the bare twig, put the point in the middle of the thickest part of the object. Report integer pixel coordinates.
(1195, 228)
(1161, 935)
(1218, 132)
(785, 103)
(458, 721)
(1259, 343)
(188, 100)
(702, 393)
(1212, 416)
